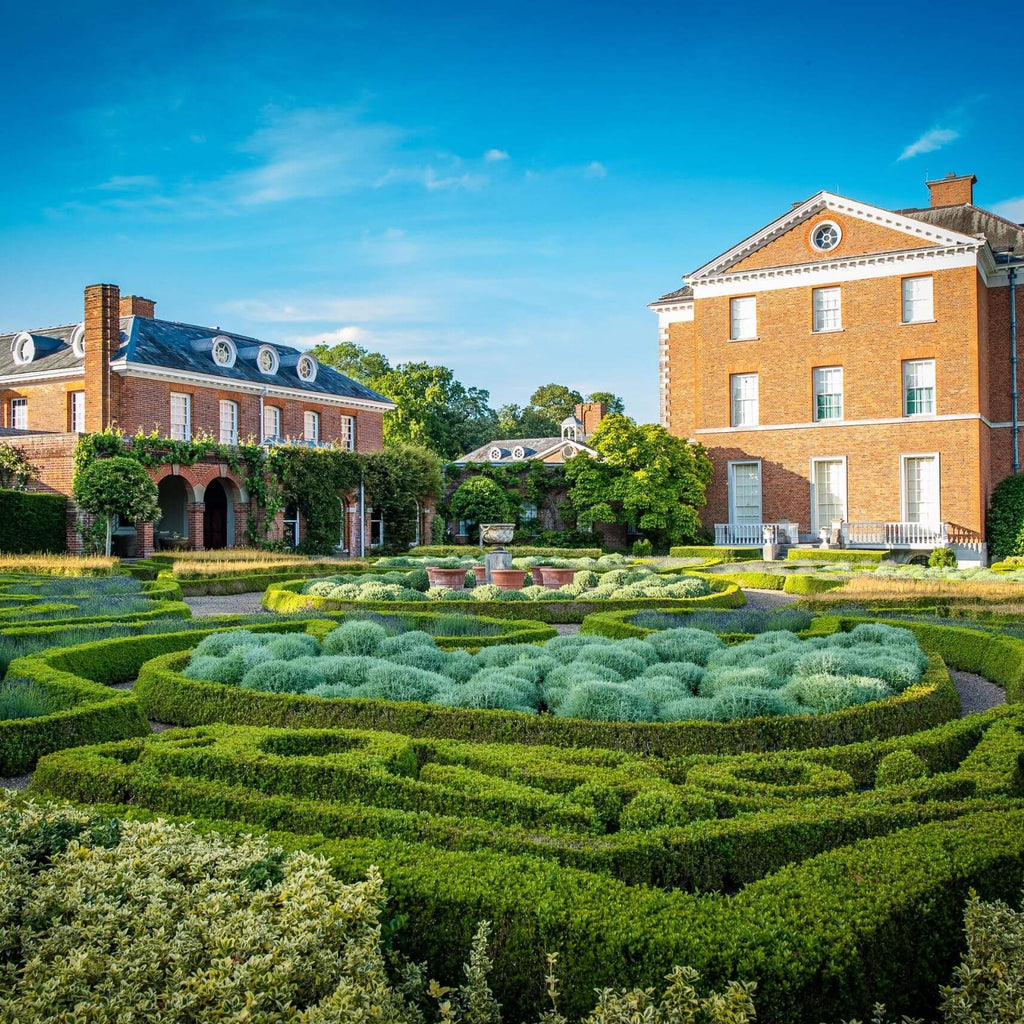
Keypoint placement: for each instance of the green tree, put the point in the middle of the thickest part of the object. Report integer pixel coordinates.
(117, 487)
(644, 477)
(555, 401)
(352, 360)
(480, 500)
(15, 468)
(613, 404)
(1005, 520)
(515, 421)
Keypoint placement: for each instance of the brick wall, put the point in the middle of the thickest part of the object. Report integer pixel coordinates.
(49, 404)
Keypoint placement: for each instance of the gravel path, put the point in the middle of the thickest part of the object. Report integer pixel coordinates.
(226, 604)
(15, 782)
(768, 598)
(976, 693)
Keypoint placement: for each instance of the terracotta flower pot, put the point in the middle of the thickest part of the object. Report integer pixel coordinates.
(480, 571)
(537, 572)
(555, 578)
(508, 579)
(453, 578)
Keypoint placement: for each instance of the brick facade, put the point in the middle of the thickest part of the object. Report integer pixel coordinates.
(967, 336)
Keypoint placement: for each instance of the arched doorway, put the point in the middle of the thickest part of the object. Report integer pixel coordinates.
(215, 516)
(173, 497)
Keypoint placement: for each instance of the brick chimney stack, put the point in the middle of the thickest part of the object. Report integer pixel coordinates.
(590, 415)
(102, 339)
(952, 190)
(136, 305)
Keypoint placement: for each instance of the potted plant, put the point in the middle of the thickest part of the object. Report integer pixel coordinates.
(555, 578)
(480, 571)
(447, 573)
(508, 579)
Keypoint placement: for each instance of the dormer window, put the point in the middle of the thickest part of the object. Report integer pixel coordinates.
(267, 360)
(494, 455)
(224, 352)
(568, 452)
(306, 368)
(78, 341)
(519, 452)
(23, 349)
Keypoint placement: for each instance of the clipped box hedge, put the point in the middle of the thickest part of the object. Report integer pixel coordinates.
(32, 522)
(721, 554)
(287, 599)
(835, 555)
(516, 550)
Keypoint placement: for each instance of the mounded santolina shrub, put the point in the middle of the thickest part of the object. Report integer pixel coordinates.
(672, 675)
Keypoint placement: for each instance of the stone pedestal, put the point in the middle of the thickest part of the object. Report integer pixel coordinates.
(770, 551)
(497, 560)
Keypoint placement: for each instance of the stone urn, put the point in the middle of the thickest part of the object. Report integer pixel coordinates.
(497, 533)
(508, 579)
(555, 578)
(480, 572)
(537, 572)
(455, 579)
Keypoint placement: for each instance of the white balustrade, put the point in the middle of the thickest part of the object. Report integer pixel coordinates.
(754, 535)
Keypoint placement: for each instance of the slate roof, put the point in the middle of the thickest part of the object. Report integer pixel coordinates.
(973, 220)
(174, 346)
(532, 447)
(679, 295)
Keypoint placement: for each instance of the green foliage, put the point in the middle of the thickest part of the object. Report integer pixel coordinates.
(644, 476)
(942, 558)
(15, 468)
(833, 555)
(1004, 522)
(116, 487)
(642, 548)
(898, 767)
(555, 401)
(31, 522)
(21, 700)
(480, 500)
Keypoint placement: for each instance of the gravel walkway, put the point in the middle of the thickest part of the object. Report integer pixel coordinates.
(226, 604)
(976, 693)
(768, 598)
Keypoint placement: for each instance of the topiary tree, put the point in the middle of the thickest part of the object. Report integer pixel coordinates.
(480, 500)
(1005, 519)
(942, 558)
(115, 488)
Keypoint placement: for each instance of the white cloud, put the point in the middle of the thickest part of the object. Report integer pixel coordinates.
(358, 335)
(128, 183)
(495, 155)
(466, 180)
(595, 169)
(314, 309)
(1011, 209)
(930, 141)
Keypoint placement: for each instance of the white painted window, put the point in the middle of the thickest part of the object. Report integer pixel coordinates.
(528, 512)
(743, 318)
(181, 417)
(828, 492)
(228, 422)
(918, 387)
(828, 314)
(271, 421)
(744, 492)
(77, 412)
(311, 426)
(828, 392)
(19, 413)
(921, 489)
(743, 391)
(917, 300)
(348, 433)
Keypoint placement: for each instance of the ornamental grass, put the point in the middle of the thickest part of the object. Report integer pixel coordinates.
(58, 565)
(870, 588)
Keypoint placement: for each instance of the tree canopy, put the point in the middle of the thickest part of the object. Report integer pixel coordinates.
(117, 487)
(646, 478)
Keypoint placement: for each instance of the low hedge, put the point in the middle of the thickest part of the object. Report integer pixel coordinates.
(617, 626)
(757, 580)
(244, 583)
(835, 555)
(722, 554)
(32, 522)
(823, 936)
(517, 551)
(169, 696)
(286, 599)
(810, 584)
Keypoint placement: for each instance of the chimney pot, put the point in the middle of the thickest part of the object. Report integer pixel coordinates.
(952, 190)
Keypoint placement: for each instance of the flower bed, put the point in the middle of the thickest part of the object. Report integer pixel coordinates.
(822, 876)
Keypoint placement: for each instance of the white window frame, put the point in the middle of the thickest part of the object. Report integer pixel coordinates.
(905, 457)
(815, 525)
(376, 516)
(187, 425)
(311, 418)
(77, 412)
(294, 522)
(736, 403)
(528, 513)
(231, 435)
(348, 433)
(275, 410)
(907, 364)
(19, 411)
(344, 522)
(908, 302)
(822, 321)
(820, 387)
(737, 332)
(731, 483)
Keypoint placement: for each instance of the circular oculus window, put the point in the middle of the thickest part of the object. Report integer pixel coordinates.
(223, 351)
(267, 360)
(494, 454)
(78, 341)
(306, 368)
(23, 348)
(519, 452)
(826, 236)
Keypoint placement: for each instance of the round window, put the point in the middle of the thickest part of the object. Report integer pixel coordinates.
(267, 360)
(519, 452)
(494, 454)
(826, 236)
(78, 341)
(23, 348)
(307, 368)
(223, 351)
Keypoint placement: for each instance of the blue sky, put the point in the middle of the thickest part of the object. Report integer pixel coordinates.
(498, 187)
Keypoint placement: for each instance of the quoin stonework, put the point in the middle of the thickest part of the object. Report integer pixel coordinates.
(122, 367)
(848, 369)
